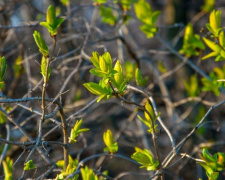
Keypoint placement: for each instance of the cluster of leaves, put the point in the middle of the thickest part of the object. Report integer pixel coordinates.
(71, 167)
(111, 145)
(103, 67)
(214, 26)
(29, 165)
(75, 131)
(88, 174)
(150, 117)
(51, 24)
(213, 84)
(191, 43)
(212, 164)
(147, 16)
(208, 5)
(190, 47)
(7, 167)
(145, 158)
(142, 9)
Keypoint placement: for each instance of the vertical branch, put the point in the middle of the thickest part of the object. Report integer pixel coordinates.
(65, 138)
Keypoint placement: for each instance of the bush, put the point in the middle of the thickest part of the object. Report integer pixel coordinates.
(112, 90)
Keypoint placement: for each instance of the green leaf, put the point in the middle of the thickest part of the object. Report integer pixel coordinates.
(44, 63)
(145, 14)
(29, 165)
(65, 2)
(2, 118)
(111, 146)
(52, 23)
(145, 158)
(214, 23)
(7, 167)
(43, 48)
(161, 67)
(107, 15)
(119, 80)
(208, 5)
(88, 174)
(17, 66)
(75, 132)
(99, 2)
(192, 87)
(95, 88)
(191, 42)
(149, 108)
(95, 59)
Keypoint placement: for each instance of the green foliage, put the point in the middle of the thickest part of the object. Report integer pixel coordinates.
(88, 174)
(126, 4)
(2, 118)
(119, 80)
(200, 114)
(149, 119)
(192, 86)
(212, 164)
(75, 132)
(3, 67)
(140, 81)
(129, 71)
(44, 63)
(213, 84)
(147, 16)
(145, 158)
(65, 2)
(43, 48)
(215, 23)
(161, 67)
(7, 167)
(52, 23)
(104, 69)
(208, 5)
(107, 15)
(71, 167)
(111, 146)
(17, 66)
(103, 65)
(218, 48)
(191, 42)
(29, 165)
(99, 2)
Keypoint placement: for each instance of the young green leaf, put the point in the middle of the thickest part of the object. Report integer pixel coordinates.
(215, 23)
(7, 167)
(52, 23)
(119, 81)
(88, 174)
(43, 48)
(17, 67)
(145, 14)
(191, 43)
(99, 2)
(145, 158)
(2, 118)
(192, 86)
(75, 132)
(111, 146)
(126, 4)
(65, 2)
(29, 165)
(95, 88)
(107, 15)
(71, 167)
(208, 5)
(44, 63)
(3, 67)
